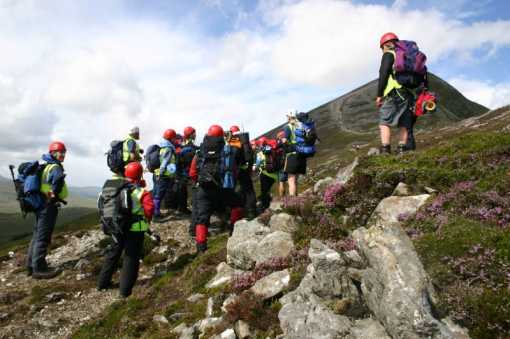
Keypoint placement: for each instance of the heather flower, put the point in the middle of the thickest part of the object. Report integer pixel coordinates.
(331, 194)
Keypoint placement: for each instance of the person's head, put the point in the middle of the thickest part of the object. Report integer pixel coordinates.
(215, 131)
(169, 135)
(262, 141)
(133, 172)
(387, 41)
(235, 129)
(135, 133)
(291, 117)
(189, 133)
(57, 150)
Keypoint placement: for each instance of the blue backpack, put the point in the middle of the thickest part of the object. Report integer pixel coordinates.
(228, 167)
(306, 135)
(28, 186)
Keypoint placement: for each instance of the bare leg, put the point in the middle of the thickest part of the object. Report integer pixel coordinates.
(292, 184)
(385, 134)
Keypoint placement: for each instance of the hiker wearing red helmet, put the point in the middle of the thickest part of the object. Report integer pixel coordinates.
(214, 171)
(164, 176)
(241, 141)
(269, 163)
(54, 190)
(130, 237)
(396, 90)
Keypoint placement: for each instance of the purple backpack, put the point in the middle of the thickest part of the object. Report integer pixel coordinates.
(409, 66)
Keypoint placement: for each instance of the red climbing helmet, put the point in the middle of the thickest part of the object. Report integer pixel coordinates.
(57, 146)
(235, 129)
(134, 170)
(169, 134)
(387, 37)
(215, 131)
(188, 131)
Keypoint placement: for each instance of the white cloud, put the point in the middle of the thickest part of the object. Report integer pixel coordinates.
(86, 72)
(486, 93)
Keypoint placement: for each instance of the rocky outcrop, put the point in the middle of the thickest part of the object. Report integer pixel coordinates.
(252, 243)
(224, 273)
(306, 312)
(346, 173)
(321, 185)
(272, 285)
(283, 222)
(395, 285)
(389, 209)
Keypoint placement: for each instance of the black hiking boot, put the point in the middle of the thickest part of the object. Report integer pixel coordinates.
(49, 273)
(30, 271)
(385, 149)
(185, 211)
(201, 248)
(401, 149)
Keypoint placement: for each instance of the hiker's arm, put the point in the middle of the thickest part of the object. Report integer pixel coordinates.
(56, 179)
(193, 173)
(384, 72)
(166, 159)
(148, 205)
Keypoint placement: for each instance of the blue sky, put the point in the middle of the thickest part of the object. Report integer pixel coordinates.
(85, 72)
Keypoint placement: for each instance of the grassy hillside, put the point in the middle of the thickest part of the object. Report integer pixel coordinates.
(15, 229)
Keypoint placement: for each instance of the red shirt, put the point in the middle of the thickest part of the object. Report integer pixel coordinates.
(193, 170)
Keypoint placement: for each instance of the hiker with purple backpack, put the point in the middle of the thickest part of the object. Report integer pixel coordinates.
(402, 72)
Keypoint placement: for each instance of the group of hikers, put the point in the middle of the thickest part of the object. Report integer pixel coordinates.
(219, 172)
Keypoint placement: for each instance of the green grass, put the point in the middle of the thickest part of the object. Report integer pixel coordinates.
(16, 231)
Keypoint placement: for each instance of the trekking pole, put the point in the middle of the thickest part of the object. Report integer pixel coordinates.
(11, 169)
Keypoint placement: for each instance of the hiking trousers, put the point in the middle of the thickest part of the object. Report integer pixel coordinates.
(266, 183)
(131, 244)
(209, 200)
(247, 190)
(45, 221)
(181, 193)
(162, 186)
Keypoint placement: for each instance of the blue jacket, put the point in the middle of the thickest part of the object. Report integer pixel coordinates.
(56, 176)
(169, 151)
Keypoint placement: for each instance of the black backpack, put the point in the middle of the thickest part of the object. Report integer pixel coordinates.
(185, 157)
(152, 158)
(211, 162)
(115, 157)
(275, 158)
(115, 206)
(247, 151)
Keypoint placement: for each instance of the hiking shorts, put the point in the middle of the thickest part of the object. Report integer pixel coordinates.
(396, 110)
(283, 176)
(295, 164)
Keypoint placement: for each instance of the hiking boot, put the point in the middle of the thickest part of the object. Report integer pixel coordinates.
(185, 211)
(385, 149)
(30, 271)
(49, 273)
(401, 149)
(201, 248)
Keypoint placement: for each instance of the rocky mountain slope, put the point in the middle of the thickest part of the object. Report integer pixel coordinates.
(351, 119)
(412, 246)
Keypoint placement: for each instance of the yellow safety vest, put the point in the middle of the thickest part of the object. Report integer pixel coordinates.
(141, 225)
(45, 183)
(392, 82)
(166, 173)
(262, 163)
(125, 150)
(292, 139)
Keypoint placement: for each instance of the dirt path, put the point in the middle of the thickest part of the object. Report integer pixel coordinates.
(56, 308)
